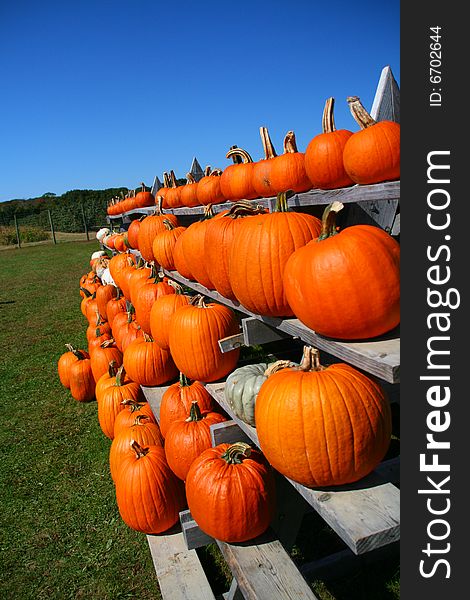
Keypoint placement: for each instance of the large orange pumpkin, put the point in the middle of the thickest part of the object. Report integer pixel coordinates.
(324, 154)
(147, 364)
(149, 228)
(187, 438)
(236, 182)
(133, 233)
(260, 249)
(66, 361)
(188, 194)
(262, 168)
(145, 297)
(161, 312)
(208, 188)
(81, 380)
(288, 170)
(148, 494)
(194, 334)
(231, 492)
(144, 198)
(179, 257)
(322, 426)
(178, 398)
(101, 357)
(132, 408)
(173, 193)
(372, 155)
(346, 285)
(164, 244)
(103, 294)
(218, 244)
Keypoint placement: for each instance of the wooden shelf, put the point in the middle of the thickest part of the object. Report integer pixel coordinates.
(388, 191)
(379, 357)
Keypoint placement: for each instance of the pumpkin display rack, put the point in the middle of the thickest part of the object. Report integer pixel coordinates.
(365, 515)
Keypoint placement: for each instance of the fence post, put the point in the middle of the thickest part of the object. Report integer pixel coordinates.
(17, 232)
(52, 226)
(84, 222)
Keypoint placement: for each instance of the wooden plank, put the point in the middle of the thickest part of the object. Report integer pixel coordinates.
(153, 395)
(365, 515)
(379, 357)
(234, 592)
(255, 332)
(389, 190)
(179, 572)
(193, 536)
(231, 343)
(264, 570)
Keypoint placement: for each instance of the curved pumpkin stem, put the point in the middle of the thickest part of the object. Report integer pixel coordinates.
(279, 365)
(328, 120)
(133, 404)
(119, 374)
(112, 370)
(359, 113)
(139, 451)
(244, 208)
(166, 180)
(147, 337)
(290, 145)
(235, 453)
(194, 413)
(87, 293)
(190, 179)
(173, 179)
(328, 224)
(281, 201)
(144, 188)
(168, 224)
(208, 212)
(77, 353)
(184, 381)
(207, 171)
(310, 360)
(139, 420)
(176, 286)
(243, 154)
(268, 147)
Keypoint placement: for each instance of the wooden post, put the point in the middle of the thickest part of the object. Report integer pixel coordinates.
(17, 232)
(52, 226)
(84, 222)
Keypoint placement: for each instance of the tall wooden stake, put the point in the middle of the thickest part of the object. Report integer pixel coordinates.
(17, 232)
(52, 226)
(84, 222)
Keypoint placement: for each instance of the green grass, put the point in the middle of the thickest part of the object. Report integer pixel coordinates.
(61, 536)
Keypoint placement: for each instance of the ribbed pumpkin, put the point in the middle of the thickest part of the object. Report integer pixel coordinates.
(188, 194)
(208, 188)
(372, 155)
(118, 265)
(179, 258)
(161, 192)
(130, 332)
(288, 170)
(172, 197)
(97, 338)
(262, 168)
(346, 285)
(106, 380)
(145, 296)
(121, 325)
(332, 425)
(101, 357)
(110, 400)
(115, 306)
(178, 398)
(103, 295)
(125, 277)
(324, 154)
(133, 233)
(231, 492)
(86, 299)
(97, 328)
(143, 198)
(81, 380)
(143, 431)
(242, 387)
(138, 277)
(236, 182)
(66, 361)
(132, 408)
(161, 312)
(148, 494)
(147, 364)
(260, 250)
(194, 334)
(149, 228)
(164, 243)
(193, 242)
(218, 244)
(186, 439)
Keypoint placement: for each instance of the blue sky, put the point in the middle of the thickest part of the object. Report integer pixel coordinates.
(108, 93)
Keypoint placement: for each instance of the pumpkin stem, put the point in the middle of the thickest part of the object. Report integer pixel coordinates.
(194, 413)
(78, 353)
(328, 223)
(176, 286)
(120, 374)
(140, 452)
(328, 120)
(173, 179)
(166, 180)
(268, 147)
(184, 381)
(158, 207)
(140, 418)
(143, 186)
(112, 370)
(236, 159)
(243, 208)
(107, 343)
(168, 224)
(85, 291)
(290, 145)
(281, 201)
(207, 171)
(216, 173)
(359, 113)
(190, 179)
(243, 154)
(235, 453)
(208, 212)
(279, 365)
(147, 337)
(310, 360)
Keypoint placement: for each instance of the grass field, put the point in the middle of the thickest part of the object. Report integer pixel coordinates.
(61, 534)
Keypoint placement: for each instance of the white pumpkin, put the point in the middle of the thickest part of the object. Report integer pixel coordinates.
(102, 233)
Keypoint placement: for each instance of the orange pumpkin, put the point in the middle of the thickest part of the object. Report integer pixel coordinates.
(262, 168)
(324, 154)
(81, 380)
(161, 312)
(149, 228)
(132, 408)
(164, 243)
(372, 155)
(66, 361)
(332, 425)
(143, 198)
(288, 170)
(188, 194)
(208, 188)
(147, 364)
(236, 182)
(144, 298)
